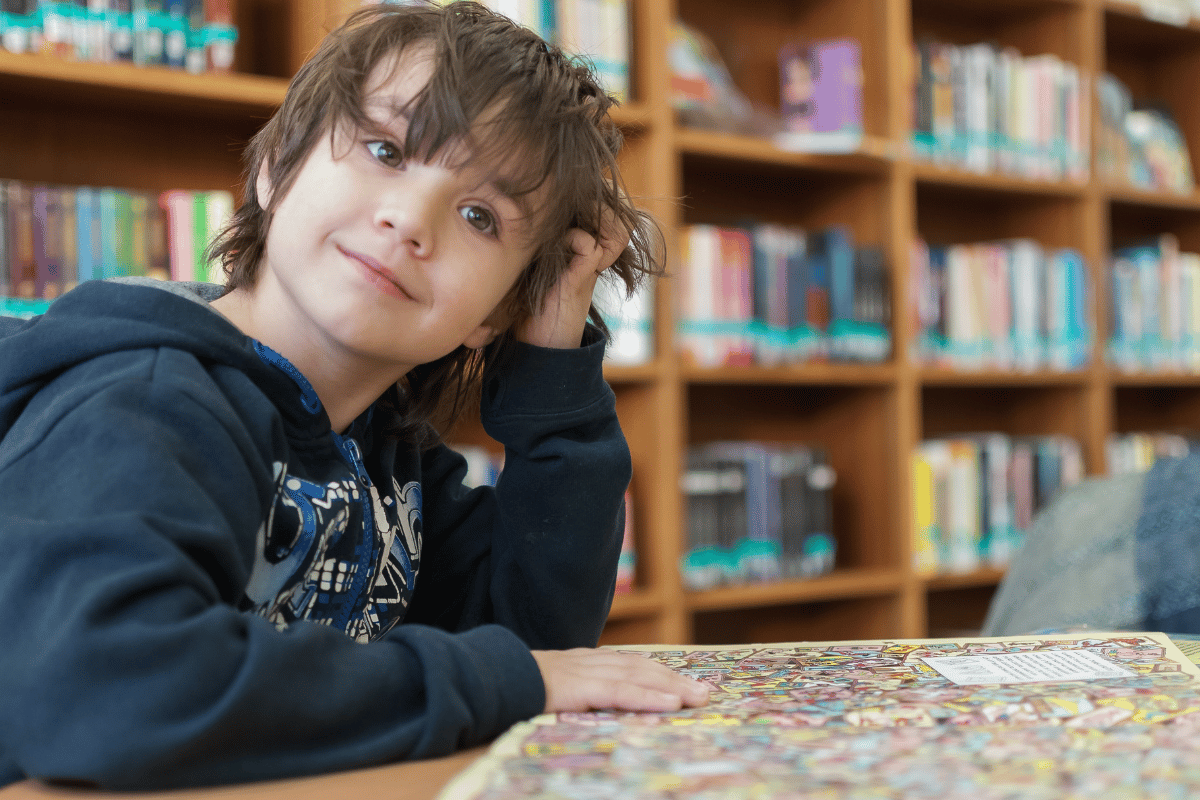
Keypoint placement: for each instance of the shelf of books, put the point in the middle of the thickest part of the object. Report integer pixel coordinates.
(930, 262)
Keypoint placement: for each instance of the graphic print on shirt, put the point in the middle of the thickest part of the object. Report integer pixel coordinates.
(338, 554)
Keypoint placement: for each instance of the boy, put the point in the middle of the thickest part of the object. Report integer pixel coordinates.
(234, 549)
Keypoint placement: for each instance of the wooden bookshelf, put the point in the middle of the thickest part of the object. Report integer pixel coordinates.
(155, 129)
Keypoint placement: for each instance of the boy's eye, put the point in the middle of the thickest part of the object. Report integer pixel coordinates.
(479, 218)
(386, 153)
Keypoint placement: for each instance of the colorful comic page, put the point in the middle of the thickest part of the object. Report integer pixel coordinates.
(1082, 715)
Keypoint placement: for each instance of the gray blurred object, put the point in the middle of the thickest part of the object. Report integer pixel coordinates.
(1113, 553)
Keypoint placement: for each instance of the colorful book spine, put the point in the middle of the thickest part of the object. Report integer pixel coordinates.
(1001, 305)
(627, 561)
(774, 294)
(976, 495)
(109, 260)
(630, 321)
(756, 512)
(1155, 300)
(47, 241)
(220, 35)
(22, 268)
(5, 243)
(54, 237)
(218, 210)
(87, 234)
(197, 35)
(1138, 451)
(68, 241)
(594, 30)
(986, 109)
(21, 26)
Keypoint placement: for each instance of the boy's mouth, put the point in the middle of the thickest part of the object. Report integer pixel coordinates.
(377, 274)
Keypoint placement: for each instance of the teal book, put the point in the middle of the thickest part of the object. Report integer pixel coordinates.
(87, 234)
(109, 266)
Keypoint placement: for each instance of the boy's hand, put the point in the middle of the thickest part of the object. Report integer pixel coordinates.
(561, 320)
(583, 679)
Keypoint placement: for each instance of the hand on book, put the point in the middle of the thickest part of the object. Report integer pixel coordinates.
(583, 679)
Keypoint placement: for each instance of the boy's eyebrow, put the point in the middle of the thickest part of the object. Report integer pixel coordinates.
(507, 188)
(392, 107)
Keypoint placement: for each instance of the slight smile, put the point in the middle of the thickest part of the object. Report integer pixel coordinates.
(376, 275)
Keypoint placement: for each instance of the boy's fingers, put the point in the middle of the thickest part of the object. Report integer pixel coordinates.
(614, 236)
(582, 679)
(599, 253)
(639, 698)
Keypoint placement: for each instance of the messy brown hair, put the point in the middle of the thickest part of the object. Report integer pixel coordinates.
(552, 112)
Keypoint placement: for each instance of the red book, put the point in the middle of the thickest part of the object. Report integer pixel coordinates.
(220, 35)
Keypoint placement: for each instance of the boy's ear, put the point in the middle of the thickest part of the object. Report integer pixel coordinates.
(262, 186)
(481, 336)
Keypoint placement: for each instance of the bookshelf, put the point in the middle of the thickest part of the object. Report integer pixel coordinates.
(154, 129)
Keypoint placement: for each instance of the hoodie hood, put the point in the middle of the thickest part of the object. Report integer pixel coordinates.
(99, 318)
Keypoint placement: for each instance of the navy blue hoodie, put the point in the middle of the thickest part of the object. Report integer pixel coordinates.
(202, 583)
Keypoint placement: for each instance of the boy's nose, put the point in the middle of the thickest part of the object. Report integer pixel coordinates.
(409, 213)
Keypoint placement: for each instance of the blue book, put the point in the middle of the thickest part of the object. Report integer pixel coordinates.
(175, 33)
(1077, 329)
(838, 243)
(109, 265)
(87, 234)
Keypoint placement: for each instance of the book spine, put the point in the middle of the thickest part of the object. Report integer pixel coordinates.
(220, 36)
(123, 232)
(195, 58)
(175, 33)
(627, 560)
(200, 234)
(6, 288)
(68, 242)
(218, 212)
(87, 234)
(118, 18)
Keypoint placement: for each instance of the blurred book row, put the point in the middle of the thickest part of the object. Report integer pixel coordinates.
(597, 30)
(1155, 314)
(975, 496)
(53, 237)
(1137, 452)
(989, 109)
(756, 512)
(1139, 145)
(196, 35)
(771, 294)
(483, 469)
(1009, 304)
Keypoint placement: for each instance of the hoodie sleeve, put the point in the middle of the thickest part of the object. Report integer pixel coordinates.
(124, 661)
(538, 554)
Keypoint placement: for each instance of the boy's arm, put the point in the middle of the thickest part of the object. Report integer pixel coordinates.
(538, 553)
(128, 511)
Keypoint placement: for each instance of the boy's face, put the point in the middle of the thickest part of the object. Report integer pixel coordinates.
(374, 259)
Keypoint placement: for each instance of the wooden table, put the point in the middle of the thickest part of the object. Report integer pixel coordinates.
(414, 780)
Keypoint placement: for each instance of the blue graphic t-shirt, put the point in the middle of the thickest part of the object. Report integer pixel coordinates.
(345, 552)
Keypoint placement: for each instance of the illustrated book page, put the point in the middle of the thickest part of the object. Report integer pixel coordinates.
(1096, 714)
